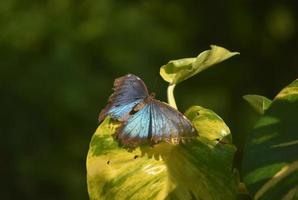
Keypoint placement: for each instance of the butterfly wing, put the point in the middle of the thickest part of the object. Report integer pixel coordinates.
(136, 129)
(155, 122)
(169, 124)
(129, 90)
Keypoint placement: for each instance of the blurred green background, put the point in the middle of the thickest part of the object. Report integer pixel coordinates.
(59, 58)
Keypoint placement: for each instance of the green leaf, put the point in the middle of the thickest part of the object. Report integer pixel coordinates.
(114, 173)
(176, 71)
(258, 102)
(208, 124)
(270, 165)
(198, 169)
(202, 170)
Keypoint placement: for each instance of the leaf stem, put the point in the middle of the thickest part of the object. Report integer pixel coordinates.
(171, 98)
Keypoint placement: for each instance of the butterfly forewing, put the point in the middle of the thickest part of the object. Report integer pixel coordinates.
(129, 90)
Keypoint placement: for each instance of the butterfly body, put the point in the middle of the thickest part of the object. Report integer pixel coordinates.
(143, 118)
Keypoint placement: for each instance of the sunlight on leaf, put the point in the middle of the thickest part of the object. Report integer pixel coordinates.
(197, 169)
(115, 173)
(208, 124)
(289, 93)
(176, 71)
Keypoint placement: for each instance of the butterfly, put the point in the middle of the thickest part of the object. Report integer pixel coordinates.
(143, 118)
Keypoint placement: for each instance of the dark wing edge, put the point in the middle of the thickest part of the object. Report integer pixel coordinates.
(119, 84)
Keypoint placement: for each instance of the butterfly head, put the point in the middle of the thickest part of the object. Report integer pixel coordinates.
(149, 98)
(152, 95)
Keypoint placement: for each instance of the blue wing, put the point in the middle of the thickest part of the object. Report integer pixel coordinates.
(129, 90)
(168, 124)
(136, 129)
(155, 122)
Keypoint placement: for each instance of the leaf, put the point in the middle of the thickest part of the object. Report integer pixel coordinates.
(258, 102)
(198, 169)
(208, 124)
(176, 71)
(202, 170)
(115, 173)
(270, 165)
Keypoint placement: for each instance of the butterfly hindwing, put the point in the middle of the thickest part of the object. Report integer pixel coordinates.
(168, 123)
(129, 90)
(136, 129)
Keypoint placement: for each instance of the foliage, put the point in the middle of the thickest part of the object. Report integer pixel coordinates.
(58, 59)
(200, 169)
(176, 71)
(270, 166)
(197, 169)
(259, 103)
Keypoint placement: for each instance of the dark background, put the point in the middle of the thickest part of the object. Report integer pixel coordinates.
(59, 58)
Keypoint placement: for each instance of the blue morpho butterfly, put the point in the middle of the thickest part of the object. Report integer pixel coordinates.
(144, 119)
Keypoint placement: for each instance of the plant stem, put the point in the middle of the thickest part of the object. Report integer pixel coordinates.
(171, 98)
